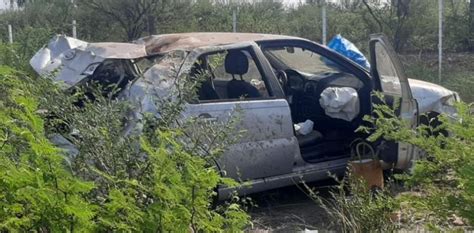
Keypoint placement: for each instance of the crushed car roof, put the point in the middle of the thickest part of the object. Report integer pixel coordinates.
(188, 41)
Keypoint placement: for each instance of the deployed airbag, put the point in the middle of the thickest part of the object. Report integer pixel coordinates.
(340, 102)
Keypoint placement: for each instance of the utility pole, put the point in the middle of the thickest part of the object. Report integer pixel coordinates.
(324, 27)
(10, 34)
(440, 38)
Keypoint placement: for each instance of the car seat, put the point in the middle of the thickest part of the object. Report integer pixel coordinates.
(236, 63)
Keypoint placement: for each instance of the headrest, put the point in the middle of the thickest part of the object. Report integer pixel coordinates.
(236, 62)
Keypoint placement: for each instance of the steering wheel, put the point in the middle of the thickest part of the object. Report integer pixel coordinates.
(283, 80)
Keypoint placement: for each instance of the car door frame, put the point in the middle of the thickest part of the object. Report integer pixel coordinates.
(277, 99)
(408, 105)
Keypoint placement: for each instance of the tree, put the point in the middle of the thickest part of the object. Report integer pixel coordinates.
(134, 17)
(391, 18)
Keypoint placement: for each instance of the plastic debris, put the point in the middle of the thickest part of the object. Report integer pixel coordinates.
(349, 50)
(304, 128)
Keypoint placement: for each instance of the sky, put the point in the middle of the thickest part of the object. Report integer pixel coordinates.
(291, 2)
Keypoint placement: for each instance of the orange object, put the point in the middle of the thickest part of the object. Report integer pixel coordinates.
(369, 170)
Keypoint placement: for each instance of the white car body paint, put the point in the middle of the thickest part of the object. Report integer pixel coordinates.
(433, 98)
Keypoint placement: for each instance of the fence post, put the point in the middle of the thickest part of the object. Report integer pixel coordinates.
(440, 42)
(74, 23)
(74, 31)
(10, 34)
(323, 15)
(234, 20)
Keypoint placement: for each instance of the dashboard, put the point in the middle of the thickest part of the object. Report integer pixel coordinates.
(310, 83)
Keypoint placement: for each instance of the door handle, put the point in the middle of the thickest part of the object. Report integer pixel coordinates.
(207, 117)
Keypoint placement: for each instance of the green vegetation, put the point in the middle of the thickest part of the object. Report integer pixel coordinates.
(443, 181)
(37, 190)
(155, 181)
(437, 194)
(149, 183)
(355, 208)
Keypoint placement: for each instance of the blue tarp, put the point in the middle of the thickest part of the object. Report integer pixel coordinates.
(349, 50)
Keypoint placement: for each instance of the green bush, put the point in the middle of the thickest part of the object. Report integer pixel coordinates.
(442, 183)
(147, 182)
(438, 191)
(37, 192)
(27, 42)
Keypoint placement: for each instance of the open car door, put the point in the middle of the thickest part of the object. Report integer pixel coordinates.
(390, 79)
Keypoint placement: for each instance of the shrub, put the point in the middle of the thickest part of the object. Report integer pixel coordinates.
(37, 192)
(439, 189)
(111, 181)
(442, 181)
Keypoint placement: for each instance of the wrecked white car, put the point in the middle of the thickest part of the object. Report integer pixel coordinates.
(299, 101)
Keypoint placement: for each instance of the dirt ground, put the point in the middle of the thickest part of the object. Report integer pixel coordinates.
(289, 209)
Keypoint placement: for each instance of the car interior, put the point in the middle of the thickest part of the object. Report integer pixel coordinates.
(304, 85)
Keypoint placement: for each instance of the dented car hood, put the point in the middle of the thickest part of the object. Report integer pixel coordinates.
(433, 98)
(70, 60)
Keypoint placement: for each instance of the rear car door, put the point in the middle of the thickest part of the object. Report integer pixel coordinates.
(266, 145)
(390, 79)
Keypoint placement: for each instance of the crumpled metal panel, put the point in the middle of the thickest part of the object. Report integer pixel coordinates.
(433, 98)
(116, 50)
(73, 59)
(49, 57)
(158, 83)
